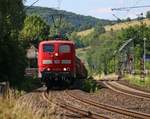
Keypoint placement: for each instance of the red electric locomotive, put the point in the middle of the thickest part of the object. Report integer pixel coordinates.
(57, 62)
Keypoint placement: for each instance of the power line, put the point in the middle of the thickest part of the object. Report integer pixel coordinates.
(133, 6)
(127, 8)
(116, 17)
(59, 4)
(31, 4)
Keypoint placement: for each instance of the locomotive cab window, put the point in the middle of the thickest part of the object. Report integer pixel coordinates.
(64, 49)
(48, 48)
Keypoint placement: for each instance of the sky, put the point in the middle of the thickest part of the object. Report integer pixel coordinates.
(96, 8)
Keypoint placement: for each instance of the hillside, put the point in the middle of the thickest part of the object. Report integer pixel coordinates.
(126, 24)
(116, 27)
(80, 22)
(85, 32)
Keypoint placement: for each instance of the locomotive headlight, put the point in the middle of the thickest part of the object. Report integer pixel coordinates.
(65, 69)
(56, 54)
(48, 69)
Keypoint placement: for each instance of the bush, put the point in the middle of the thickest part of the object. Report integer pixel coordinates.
(29, 84)
(12, 55)
(90, 85)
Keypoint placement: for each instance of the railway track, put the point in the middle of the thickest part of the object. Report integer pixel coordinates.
(110, 108)
(85, 113)
(127, 90)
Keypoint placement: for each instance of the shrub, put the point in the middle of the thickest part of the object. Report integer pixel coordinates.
(90, 85)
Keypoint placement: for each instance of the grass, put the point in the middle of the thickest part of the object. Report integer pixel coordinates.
(102, 76)
(12, 108)
(125, 25)
(86, 32)
(138, 81)
(9, 111)
(116, 27)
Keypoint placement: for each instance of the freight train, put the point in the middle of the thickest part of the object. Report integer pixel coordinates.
(57, 62)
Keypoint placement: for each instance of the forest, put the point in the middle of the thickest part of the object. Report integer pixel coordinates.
(79, 22)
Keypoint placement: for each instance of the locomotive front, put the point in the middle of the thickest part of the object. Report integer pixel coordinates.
(56, 60)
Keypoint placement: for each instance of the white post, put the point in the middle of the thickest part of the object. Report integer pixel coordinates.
(144, 54)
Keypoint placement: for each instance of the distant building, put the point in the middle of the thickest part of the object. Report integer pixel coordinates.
(32, 57)
(31, 69)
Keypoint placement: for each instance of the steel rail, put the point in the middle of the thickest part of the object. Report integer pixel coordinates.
(126, 92)
(111, 108)
(74, 109)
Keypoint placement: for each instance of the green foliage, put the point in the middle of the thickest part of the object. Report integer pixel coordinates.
(101, 57)
(93, 36)
(11, 16)
(128, 19)
(76, 39)
(61, 27)
(12, 61)
(12, 55)
(138, 33)
(34, 30)
(90, 85)
(29, 84)
(99, 29)
(137, 81)
(148, 14)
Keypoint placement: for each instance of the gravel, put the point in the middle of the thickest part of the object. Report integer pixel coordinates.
(71, 101)
(35, 102)
(107, 96)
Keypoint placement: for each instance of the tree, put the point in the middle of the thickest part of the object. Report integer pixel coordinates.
(148, 14)
(138, 32)
(101, 55)
(140, 16)
(119, 20)
(34, 30)
(76, 39)
(128, 19)
(99, 29)
(61, 27)
(12, 55)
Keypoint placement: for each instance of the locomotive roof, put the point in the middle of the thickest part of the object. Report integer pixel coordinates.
(57, 41)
